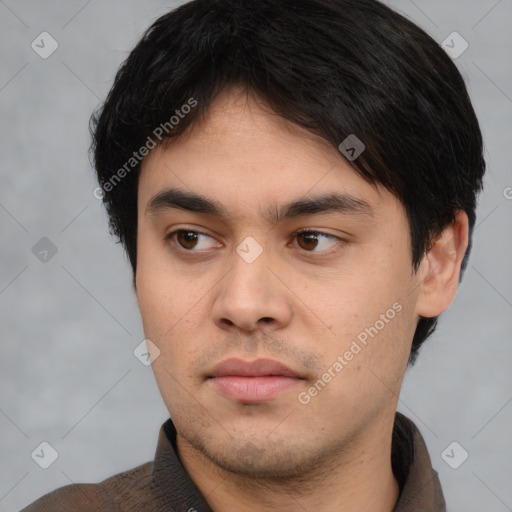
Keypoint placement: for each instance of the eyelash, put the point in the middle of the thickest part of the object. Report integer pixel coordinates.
(340, 241)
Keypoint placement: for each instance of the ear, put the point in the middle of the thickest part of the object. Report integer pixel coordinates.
(439, 269)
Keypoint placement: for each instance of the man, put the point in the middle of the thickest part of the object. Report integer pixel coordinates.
(295, 185)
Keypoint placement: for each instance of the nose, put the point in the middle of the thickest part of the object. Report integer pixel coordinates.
(251, 297)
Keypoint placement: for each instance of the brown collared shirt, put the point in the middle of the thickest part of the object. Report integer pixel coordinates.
(164, 485)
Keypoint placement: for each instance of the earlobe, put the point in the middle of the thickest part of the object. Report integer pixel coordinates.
(440, 268)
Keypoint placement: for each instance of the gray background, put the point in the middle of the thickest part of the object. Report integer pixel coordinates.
(69, 325)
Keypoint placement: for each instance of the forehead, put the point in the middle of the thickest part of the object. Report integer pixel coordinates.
(243, 153)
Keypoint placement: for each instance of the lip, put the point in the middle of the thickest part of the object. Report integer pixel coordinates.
(252, 381)
(258, 368)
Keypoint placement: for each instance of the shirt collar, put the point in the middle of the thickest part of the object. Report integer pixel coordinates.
(420, 488)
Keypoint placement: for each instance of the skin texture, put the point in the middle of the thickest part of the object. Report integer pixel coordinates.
(295, 303)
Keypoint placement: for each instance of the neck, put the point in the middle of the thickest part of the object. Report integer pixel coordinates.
(356, 477)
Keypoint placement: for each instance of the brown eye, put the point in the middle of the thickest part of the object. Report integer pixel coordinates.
(187, 239)
(309, 240)
(312, 240)
(191, 241)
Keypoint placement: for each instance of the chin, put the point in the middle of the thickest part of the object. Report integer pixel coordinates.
(260, 457)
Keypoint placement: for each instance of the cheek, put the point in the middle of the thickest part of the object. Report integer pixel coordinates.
(168, 304)
(372, 314)
(154, 291)
(161, 288)
(172, 304)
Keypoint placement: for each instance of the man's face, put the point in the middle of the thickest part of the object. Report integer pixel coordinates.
(337, 307)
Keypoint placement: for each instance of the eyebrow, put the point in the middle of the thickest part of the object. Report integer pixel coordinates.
(173, 198)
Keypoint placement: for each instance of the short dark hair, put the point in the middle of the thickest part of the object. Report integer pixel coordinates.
(335, 67)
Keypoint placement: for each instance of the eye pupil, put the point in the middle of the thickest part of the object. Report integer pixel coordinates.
(187, 239)
(309, 238)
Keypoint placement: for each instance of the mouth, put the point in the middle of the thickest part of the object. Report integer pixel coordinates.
(254, 381)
